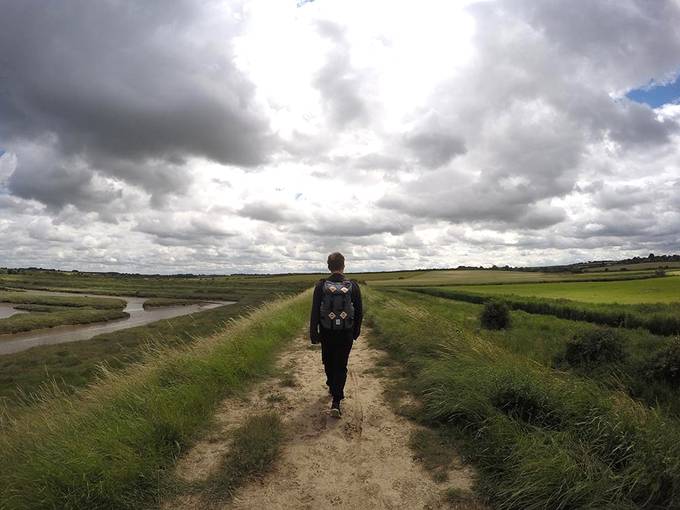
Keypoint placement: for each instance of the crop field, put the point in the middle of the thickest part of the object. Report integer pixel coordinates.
(636, 267)
(649, 290)
(491, 277)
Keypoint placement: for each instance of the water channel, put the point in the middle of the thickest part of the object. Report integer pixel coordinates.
(62, 334)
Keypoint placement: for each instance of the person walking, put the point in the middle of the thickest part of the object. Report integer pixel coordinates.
(335, 322)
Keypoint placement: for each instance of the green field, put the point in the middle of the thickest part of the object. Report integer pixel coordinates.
(651, 290)
(490, 277)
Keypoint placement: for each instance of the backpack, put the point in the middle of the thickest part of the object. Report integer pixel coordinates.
(337, 309)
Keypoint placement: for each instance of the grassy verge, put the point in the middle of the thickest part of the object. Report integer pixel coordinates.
(106, 447)
(660, 318)
(540, 438)
(545, 339)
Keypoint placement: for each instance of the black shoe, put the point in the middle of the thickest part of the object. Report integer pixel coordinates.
(335, 409)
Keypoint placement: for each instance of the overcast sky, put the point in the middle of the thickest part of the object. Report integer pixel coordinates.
(257, 136)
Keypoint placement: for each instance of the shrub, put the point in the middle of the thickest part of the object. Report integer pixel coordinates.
(495, 315)
(665, 364)
(524, 401)
(595, 347)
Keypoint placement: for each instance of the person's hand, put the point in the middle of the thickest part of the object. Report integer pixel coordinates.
(315, 339)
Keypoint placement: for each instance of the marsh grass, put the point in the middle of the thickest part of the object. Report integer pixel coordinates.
(108, 446)
(540, 438)
(161, 302)
(74, 301)
(75, 365)
(40, 319)
(50, 311)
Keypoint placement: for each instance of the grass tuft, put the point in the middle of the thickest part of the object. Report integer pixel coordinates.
(254, 447)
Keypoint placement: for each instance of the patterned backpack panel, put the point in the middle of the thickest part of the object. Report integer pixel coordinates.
(337, 309)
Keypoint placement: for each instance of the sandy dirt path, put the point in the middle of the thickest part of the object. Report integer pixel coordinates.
(360, 461)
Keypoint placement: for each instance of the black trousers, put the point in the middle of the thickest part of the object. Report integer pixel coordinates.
(335, 351)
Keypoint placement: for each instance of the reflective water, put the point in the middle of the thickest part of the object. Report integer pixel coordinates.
(63, 334)
(7, 310)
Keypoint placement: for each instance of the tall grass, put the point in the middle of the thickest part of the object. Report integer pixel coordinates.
(108, 446)
(660, 319)
(540, 438)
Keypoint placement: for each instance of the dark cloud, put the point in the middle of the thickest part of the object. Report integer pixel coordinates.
(169, 231)
(130, 89)
(625, 196)
(625, 42)
(43, 176)
(339, 83)
(270, 213)
(346, 225)
(432, 144)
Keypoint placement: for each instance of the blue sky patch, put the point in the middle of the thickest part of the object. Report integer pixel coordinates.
(1, 152)
(656, 95)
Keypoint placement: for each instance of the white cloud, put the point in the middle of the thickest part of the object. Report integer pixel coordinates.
(258, 136)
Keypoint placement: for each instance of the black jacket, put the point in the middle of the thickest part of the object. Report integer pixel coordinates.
(316, 332)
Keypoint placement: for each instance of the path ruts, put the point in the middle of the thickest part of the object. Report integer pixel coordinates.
(361, 461)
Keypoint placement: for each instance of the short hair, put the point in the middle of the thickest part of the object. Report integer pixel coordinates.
(336, 261)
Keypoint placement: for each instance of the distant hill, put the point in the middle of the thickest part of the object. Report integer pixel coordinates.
(652, 261)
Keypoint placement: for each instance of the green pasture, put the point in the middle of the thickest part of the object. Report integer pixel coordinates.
(650, 290)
